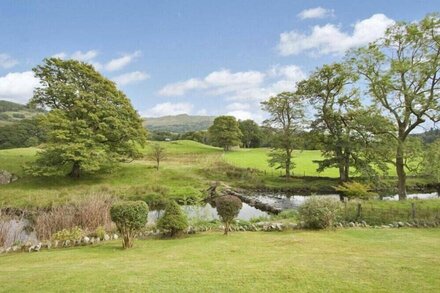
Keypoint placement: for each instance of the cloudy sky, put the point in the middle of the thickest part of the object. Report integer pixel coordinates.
(196, 57)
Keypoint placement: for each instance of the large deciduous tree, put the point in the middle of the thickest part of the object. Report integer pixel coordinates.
(402, 73)
(90, 124)
(225, 132)
(252, 135)
(286, 119)
(342, 125)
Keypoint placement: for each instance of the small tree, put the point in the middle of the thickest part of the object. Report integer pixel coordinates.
(228, 207)
(129, 217)
(157, 154)
(173, 221)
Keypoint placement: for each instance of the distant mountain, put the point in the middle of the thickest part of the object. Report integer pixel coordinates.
(179, 123)
(11, 112)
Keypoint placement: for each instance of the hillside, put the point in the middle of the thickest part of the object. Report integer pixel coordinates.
(11, 112)
(179, 123)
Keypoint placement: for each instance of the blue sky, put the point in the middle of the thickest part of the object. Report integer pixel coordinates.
(196, 57)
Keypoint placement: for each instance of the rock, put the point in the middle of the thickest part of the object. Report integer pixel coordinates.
(400, 224)
(35, 248)
(47, 245)
(351, 224)
(15, 248)
(86, 240)
(6, 177)
(106, 237)
(8, 249)
(115, 236)
(66, 243)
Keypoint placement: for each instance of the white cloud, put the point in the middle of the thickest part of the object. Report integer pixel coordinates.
(121, 62)
(330, 39)
(78, 55)
(165, 109)
(18, 86)
(7, 61)
(240, 114)
(130, 77)
(238, 106)
(217, 83)
(317, 12)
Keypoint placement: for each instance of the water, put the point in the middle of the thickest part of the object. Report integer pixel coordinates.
(207, 212)
(280, 201)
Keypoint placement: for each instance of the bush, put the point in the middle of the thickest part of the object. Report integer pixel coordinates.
(129, 217)
(320, 213)
(75, 233)
(100, 232)
(173, 220)
(228, 207)
(355, 190)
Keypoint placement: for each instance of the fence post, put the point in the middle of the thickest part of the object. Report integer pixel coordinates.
(359, 210)
(413, 210)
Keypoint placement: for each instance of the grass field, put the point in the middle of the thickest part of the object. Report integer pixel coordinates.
(349, 260)
(186, 172)
(257, 159)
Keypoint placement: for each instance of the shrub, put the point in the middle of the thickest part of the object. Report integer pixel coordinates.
(75, 233)
(173, 220)
(355, 190)
(129, 217)
(228, 207)
(100, 232)
(319, 212)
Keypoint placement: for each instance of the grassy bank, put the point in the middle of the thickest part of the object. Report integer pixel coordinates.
(347, 260)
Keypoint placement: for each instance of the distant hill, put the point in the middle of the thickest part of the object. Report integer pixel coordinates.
(179, 123)
(11, 112)
(429, 136)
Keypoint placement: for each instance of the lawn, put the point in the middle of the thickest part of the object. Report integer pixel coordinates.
(347, 260)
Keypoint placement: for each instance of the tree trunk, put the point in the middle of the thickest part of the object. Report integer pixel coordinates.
(226, 228)
(347, 166)
(400, 169)
(76, 170)
(288, 163)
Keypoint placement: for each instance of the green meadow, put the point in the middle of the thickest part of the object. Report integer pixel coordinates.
(348, 260)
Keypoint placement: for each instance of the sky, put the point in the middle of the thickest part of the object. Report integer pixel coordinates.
(196, 57)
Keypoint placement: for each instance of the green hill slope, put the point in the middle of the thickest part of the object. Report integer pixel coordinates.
(179, 123)
(11, 112)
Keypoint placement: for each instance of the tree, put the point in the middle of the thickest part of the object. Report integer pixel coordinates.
(23, 133)
(431, 164)
(225, 132)
(402, 73)
(252, 134)
(342, 125)
(228, 207)
(91, 124)
(286, 119)
(129, 217)
(157, 154)
(173, 220)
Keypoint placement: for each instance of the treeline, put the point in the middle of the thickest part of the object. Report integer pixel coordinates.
(23, 133)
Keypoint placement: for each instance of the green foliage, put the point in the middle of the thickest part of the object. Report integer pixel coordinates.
(431, 163)
(24, 133)
(225, 132)
(6, 106)
(319, 212)
(355, 190)
(75, 233)
(91, 124)
(100, 232)
(173, 221)
(129, 217)
(280, 160)
(252, 135)
(286, 112)
(228, 207)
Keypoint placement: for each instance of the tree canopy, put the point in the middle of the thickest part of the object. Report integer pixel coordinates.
(225, 132)
(90, 124)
